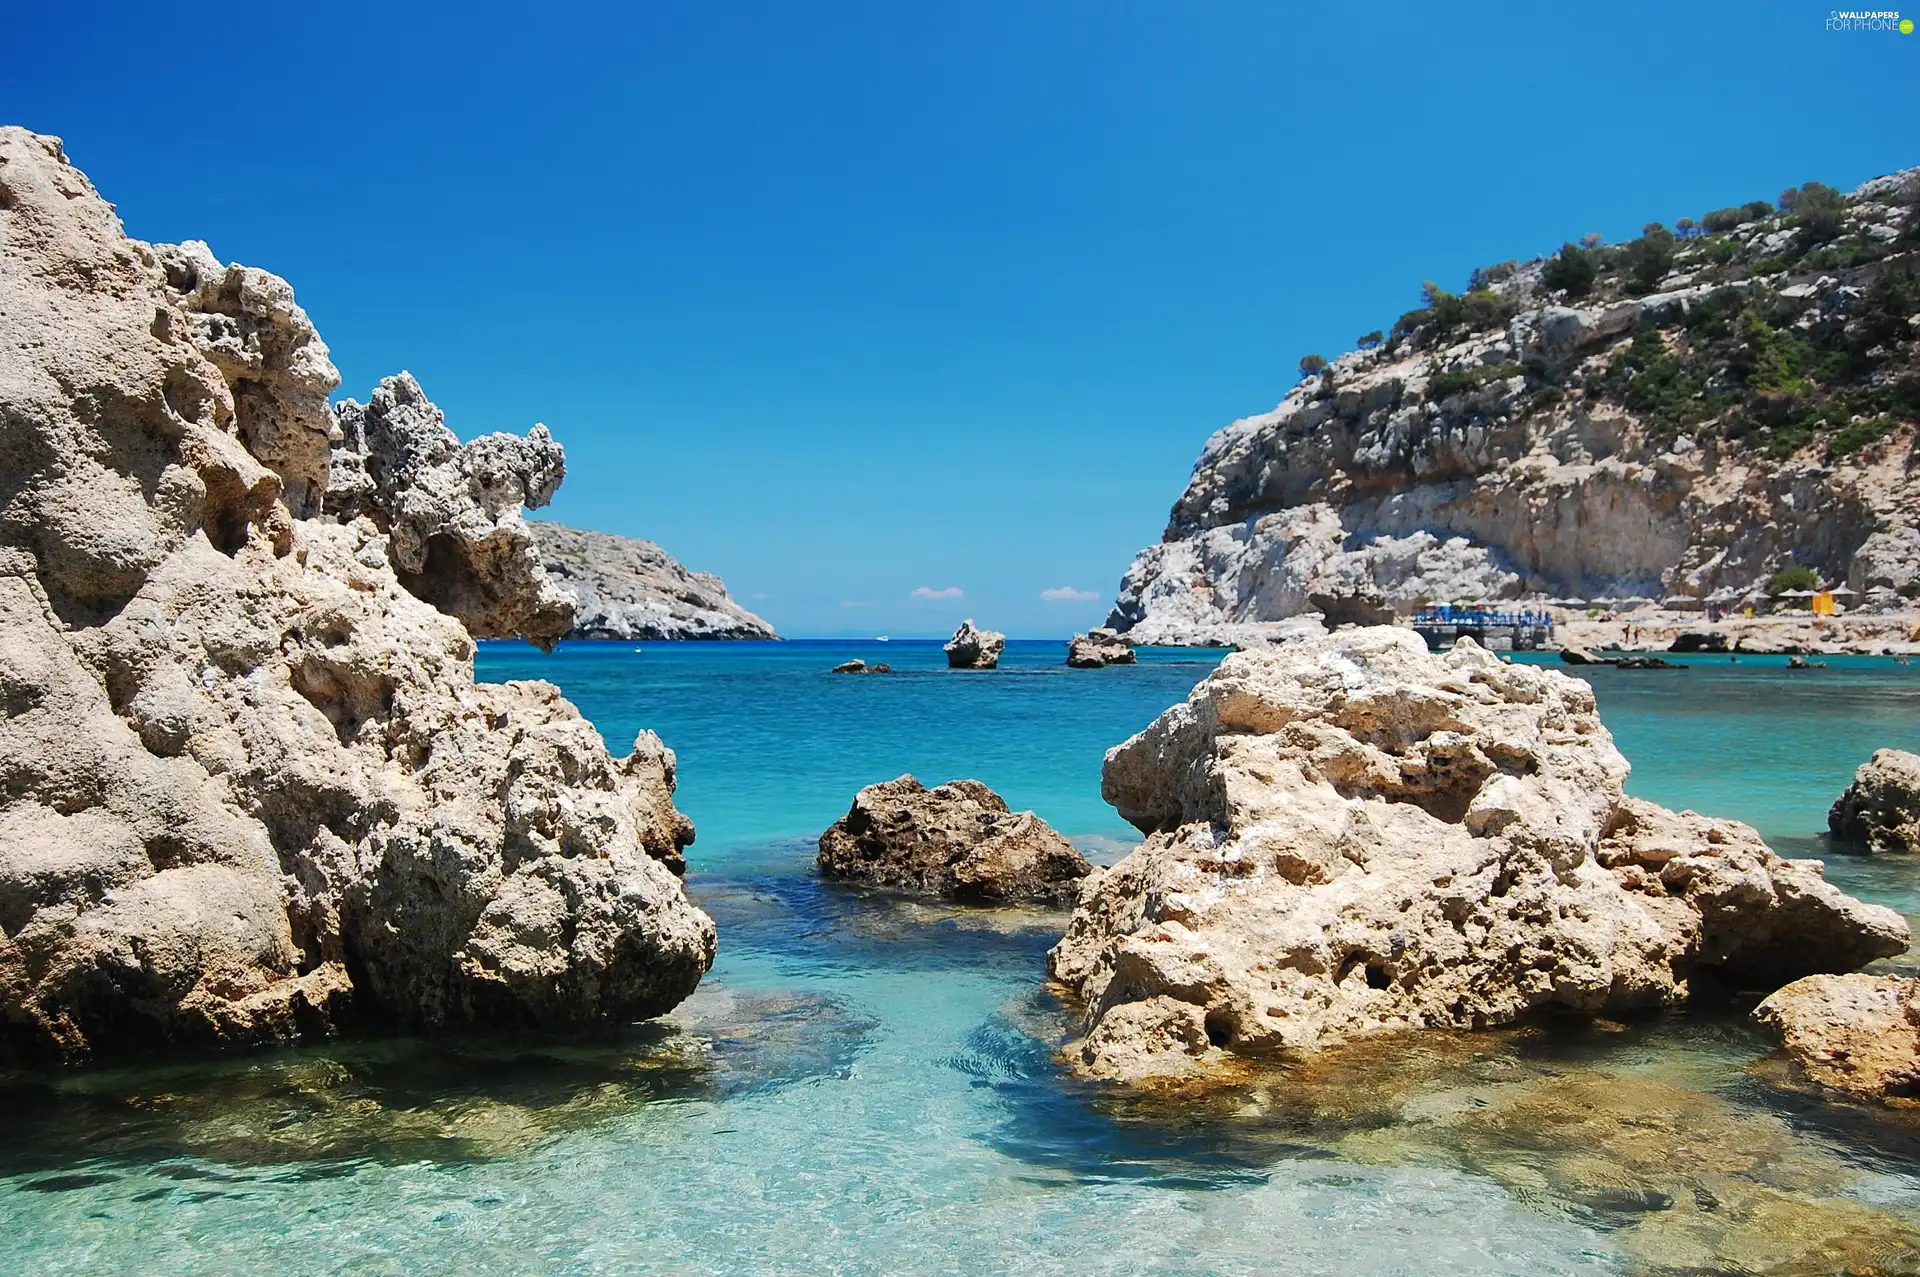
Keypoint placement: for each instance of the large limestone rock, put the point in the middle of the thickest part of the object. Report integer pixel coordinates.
(633, 590)
(1352, 835)
(971, 648)
(956, 840)
(1856, 1034)
(249, 790)
(453, 512)
(1881, 808)
(1098, 647)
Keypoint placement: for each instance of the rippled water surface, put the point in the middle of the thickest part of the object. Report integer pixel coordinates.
(865, 1086)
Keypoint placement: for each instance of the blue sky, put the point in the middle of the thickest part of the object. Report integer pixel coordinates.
(845, 301)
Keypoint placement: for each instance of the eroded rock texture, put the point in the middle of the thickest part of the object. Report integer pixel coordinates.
(453, 512)
(1856, 1034)
(972, 648)
(956, 840)
(249, 790)
(1351, 835)
(1881, 808)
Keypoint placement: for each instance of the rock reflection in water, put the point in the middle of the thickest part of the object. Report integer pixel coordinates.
(1686, 1180)
(399, 1101)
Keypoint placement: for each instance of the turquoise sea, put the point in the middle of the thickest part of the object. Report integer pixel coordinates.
(866, 1086)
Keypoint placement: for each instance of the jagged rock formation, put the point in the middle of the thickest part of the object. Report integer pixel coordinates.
(1881, 808)
(1684, 418)
(1099, 647)
(249, 790)
(1856, 1034)
(452, 512)
(1351, 835)
(974, 649)
(956, 840)
(857, 666)
(627, 589)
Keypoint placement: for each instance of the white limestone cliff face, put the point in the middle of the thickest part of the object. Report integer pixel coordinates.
(1367, 481)
(249, 789)
(1349, 835)
(623, 588)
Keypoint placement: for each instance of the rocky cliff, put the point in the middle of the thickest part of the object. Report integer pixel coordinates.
(249, 789)
(1683, 414)
(627, 589)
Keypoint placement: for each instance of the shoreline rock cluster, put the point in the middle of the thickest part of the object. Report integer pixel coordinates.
(253, 793)
(1351, 835)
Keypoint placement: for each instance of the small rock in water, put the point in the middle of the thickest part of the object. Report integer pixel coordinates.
(1857, 1034)
(1099, 647)
(1881, 808)
(957, 840)
(972, 648)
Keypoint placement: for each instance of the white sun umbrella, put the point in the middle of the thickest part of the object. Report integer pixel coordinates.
(1798, 594)
(1842, 592)
(1725, 594)
(1680, 600)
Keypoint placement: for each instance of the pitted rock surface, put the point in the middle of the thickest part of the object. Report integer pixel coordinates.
(453, 512)
(249, 789)
(1351, 835)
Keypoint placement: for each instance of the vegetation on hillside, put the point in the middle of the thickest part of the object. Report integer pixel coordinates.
(1812, 342)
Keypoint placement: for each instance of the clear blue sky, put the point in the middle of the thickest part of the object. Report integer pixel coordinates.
(844, 300)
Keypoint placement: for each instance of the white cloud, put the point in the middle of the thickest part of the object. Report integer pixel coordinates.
(951, 592)
(851, 603)
(760, 594)
(1067, 594)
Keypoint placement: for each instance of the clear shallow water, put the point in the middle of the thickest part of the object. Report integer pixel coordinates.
(866, 1087)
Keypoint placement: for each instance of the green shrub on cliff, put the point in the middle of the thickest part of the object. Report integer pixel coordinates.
(1312, 366)
(1571, 270)
(1857, 435)
(1648, 259)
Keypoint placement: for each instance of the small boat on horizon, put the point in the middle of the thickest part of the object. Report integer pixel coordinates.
(880, 638)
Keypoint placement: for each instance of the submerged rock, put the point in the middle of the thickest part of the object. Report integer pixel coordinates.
(956, 840)
(251, 790)
(1858, 1034)
(857, 666)
(1881, 808)
(1098, 647)
(1353, 835)
(633, 590)
(452, 511)
(974, 649)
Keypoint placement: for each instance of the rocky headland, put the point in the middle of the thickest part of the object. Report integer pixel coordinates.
(623, 588)
(1681, 415)
(1350, 835)
(1880, 810)
(958, 841)
(252, 792)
